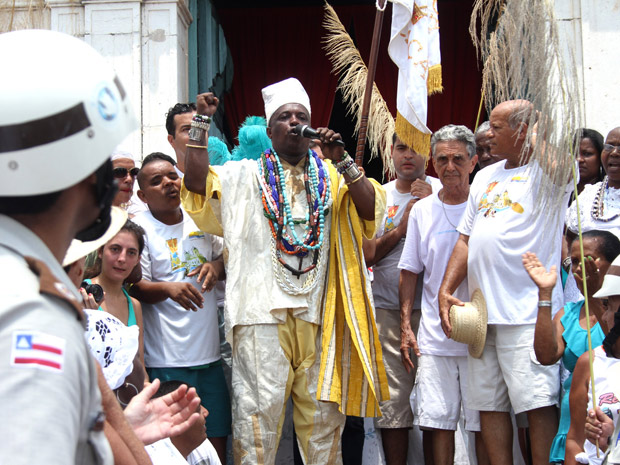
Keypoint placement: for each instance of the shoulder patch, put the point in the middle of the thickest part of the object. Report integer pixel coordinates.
(50, 285)
(35, 349)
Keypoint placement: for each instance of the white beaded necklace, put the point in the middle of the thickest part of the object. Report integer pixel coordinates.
(598, 206)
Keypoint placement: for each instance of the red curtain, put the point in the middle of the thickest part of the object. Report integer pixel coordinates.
(271, 44)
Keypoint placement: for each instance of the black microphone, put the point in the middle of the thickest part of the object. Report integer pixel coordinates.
(304, 130)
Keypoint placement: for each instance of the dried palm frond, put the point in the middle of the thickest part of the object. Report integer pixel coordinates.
(348, 63)
(523, 60)
(24, 14)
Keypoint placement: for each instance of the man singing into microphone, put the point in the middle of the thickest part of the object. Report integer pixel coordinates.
(292, 227)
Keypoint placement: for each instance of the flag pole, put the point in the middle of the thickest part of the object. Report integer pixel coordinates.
(372, 68)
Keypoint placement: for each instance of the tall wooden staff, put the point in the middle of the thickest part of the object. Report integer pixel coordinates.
(372, 68)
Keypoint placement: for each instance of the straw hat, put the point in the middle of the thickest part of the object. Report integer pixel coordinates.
(611, 282)
(79, 249)
(469, 323)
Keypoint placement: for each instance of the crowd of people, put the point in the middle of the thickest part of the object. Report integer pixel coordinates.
(150, 322)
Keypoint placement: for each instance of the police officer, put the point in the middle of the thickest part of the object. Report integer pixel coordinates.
(63, 112)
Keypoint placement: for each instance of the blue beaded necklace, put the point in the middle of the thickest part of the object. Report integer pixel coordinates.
(277, 208)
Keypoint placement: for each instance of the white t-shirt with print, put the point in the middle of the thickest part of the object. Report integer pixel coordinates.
(163, 452)
(501, 226)
(173, 336)
(204, 454)
(385, 271)
(431, 235)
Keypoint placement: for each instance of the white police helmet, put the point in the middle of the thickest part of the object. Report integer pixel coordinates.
(62, 112)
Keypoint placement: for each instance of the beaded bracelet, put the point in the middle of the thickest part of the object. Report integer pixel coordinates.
(202, 118)
(341, 167)
(345, 168)
(345, 160)
(200, 125)
(343, 157)
(544, 303)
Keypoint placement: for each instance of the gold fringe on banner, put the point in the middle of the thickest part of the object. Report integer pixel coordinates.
(347, 61)
(433, 82)
(414, 138)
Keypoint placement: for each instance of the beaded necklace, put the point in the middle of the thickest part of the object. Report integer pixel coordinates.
(598, 205)
(277, 209)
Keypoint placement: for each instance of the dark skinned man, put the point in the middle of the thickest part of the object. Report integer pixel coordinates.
(283, 219)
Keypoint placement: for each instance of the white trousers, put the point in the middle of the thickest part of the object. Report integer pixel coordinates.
(269, 364)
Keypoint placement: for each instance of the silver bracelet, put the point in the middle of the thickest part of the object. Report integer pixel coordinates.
(353, 171)
(196, 134)
(544, 303)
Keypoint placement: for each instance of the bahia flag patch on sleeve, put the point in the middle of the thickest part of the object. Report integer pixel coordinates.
(34, 349)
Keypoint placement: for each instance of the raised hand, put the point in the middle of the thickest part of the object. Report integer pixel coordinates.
(88, 301)
(538, 273)
(206, 104)
(163, 417)
(332, 151)
(594, 277)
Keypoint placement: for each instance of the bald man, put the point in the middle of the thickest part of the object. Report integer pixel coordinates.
(501, 222)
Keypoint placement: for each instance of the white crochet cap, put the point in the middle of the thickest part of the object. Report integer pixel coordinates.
(117, 154)
(113, 345)
(288, 91)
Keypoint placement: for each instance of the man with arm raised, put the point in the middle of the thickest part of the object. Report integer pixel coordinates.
(284, 217)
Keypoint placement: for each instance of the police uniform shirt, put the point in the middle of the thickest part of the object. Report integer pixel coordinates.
(50, 401)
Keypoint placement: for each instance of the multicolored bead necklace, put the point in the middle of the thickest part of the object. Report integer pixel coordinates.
(277, 208)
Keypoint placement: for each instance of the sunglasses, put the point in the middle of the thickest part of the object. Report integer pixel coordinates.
(121, 173)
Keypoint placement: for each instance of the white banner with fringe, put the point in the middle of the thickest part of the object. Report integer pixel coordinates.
(414, 47)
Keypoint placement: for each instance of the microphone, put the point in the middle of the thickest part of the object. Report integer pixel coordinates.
(304, 130)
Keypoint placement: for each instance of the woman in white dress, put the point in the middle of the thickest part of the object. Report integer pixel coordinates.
(599, 204)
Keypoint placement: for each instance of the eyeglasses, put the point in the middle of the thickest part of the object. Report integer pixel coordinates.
(121, 173)
(610, 148)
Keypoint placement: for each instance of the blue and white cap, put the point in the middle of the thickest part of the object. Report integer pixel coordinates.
(63, 112)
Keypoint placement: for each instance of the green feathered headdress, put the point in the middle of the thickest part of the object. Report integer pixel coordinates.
(218, 151)
(253, 139)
